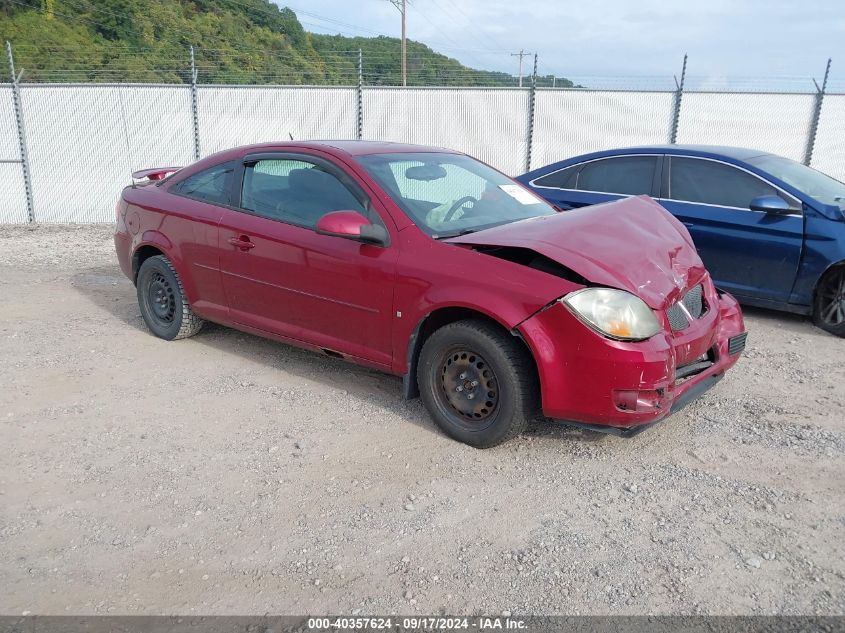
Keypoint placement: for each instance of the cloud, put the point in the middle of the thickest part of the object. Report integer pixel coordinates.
(745, 38)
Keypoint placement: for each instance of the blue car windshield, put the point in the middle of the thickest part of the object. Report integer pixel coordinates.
(809, 181)
(452, 194)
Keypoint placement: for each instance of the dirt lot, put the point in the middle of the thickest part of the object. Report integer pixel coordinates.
(227, 474)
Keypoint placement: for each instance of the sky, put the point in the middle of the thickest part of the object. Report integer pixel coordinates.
(777, 41)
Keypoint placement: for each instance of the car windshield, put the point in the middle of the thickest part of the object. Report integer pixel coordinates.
(452, 194)
(806, 179)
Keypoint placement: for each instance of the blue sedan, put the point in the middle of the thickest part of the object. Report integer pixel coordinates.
(770, 230)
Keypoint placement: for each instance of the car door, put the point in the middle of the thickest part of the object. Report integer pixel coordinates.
(280, 276)
(748, 253)
(601, 180)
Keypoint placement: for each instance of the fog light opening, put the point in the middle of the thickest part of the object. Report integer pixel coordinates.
(637, 400)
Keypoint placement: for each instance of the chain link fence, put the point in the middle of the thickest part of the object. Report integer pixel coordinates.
(572, 122)
(239, 115)
(488, 123)
(82, 141)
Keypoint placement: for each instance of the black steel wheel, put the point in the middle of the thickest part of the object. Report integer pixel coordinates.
(829, 308)
(469, 385)
(161, 297)
(162, 300)
(478, 382)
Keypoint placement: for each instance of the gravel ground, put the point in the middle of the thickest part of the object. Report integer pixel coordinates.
(227, 474)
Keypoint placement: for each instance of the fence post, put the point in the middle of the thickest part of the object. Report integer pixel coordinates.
(817, 112)
(531, 96)
(194, 110)
(676, 110)
(16, 98)
(360, 95)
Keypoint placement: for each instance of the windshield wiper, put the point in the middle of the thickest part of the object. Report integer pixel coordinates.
(443, 236)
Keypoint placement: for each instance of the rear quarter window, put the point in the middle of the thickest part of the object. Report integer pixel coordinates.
(625, 175)
(563, 179)
(212, 185)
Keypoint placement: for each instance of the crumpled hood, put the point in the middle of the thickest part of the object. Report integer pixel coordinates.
(632, 244)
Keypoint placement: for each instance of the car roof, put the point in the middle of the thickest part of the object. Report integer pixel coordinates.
(354, 148)
(736, 153)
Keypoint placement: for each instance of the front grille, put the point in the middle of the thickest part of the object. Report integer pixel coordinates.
(737, 343)
(677, 318)
(694, 301)
(691, 305)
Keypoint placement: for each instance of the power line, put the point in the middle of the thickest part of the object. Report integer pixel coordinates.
(467, 19)
(323, 18)
(434, 26)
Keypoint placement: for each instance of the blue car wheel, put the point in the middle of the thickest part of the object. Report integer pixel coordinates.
(829, 308)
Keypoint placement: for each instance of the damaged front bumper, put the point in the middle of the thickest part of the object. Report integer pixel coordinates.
(623, 387)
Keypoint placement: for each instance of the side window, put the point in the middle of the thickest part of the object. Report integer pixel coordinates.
(694, 180)
(296, 192)
(210, 185)
(563, 179)
(626, 175)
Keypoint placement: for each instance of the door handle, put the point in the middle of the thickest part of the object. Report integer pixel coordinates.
(243, 242)
(688, 224)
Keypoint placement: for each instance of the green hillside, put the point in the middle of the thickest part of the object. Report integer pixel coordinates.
(236, 41)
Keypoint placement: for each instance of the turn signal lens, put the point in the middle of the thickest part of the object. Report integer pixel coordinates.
(618, 328)
(613, 313)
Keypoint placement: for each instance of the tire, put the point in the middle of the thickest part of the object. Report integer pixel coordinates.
(504, 397)
(829, 303)
(162, 300)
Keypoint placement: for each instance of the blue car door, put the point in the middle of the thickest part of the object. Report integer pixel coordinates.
(751, 254)
(600, 180)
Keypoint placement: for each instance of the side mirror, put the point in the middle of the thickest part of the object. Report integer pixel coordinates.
(351, 225)
(773, 205)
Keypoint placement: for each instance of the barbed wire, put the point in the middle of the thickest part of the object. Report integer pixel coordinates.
(325, 66)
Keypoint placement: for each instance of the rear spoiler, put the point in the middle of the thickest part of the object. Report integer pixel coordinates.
(157, 173)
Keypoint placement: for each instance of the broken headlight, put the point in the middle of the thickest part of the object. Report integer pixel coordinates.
(614, 313)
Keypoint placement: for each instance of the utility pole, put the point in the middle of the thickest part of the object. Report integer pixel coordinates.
(520, 54)
(401, 5)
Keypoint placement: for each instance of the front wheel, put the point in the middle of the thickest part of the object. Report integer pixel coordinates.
(162, 300)
(478, 382)
(829, 306)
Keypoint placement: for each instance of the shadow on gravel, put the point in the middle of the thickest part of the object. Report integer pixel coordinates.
(108, 289)
(785, 320)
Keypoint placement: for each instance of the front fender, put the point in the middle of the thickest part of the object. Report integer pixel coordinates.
(440, 276)
(824, 247)
(494, 306)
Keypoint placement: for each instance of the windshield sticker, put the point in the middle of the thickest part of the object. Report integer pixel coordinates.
(519, 194)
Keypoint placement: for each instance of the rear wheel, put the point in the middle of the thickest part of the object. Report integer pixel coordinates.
(477, 382)
(162, 300)
(829, 307)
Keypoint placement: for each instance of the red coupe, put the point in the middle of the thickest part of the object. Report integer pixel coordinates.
(428, 264)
